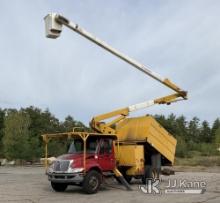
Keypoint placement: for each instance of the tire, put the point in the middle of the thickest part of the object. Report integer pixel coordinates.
(92, 182)
(59, 187)
(150, 173)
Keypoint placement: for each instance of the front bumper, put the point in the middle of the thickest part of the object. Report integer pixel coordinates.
(71, 178)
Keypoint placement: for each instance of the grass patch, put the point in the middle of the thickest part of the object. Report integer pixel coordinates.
(198, 161)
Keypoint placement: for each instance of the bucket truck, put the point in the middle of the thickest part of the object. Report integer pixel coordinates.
(119, 146)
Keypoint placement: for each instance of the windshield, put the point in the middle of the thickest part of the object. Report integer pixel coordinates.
(77, 146)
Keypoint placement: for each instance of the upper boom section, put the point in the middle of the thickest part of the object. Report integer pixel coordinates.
(54, 24)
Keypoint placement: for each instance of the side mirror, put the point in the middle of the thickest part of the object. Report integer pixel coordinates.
(52, 27)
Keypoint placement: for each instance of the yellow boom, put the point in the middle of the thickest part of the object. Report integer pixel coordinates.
(54, 23)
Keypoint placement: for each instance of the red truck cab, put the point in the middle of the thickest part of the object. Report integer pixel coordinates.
(84, 166)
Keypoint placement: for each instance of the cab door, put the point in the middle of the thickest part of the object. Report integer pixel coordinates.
(106, 157)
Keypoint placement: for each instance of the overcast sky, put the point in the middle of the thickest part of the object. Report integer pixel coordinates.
(70, 75)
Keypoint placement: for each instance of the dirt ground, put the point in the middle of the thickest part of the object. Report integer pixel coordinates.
(29, 184)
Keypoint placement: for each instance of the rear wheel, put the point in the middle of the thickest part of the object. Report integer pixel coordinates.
(92, 182)
(150, 173)
(59, 187)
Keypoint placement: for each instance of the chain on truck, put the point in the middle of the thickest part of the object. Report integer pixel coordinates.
(119, 146)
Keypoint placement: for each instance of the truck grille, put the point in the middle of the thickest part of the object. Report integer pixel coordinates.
(61, 165)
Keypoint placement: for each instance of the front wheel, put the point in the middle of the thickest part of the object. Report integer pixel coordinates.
(59, 187)
(92, 182)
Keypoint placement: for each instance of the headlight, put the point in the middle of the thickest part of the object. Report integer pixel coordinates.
(74, 170)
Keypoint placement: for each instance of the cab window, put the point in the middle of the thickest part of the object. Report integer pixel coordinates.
(106, 146)
(77, 145)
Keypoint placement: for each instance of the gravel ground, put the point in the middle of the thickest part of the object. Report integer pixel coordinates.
(29, 184)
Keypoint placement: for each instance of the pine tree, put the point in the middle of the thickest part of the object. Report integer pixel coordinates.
(205, 134)
(181, 129)
(193, 130)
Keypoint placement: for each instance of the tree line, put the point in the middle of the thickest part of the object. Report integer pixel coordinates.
(194, 137)
(20, 132)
